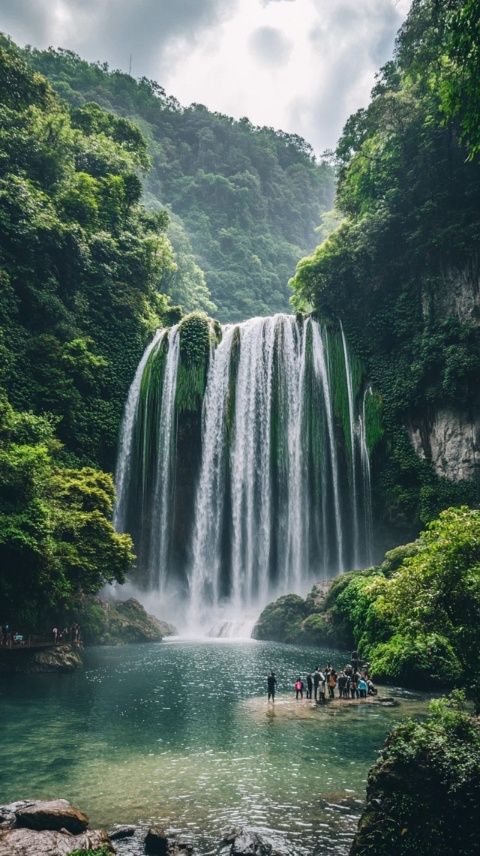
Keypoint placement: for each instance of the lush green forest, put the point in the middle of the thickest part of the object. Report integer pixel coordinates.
(83, 265)
(245, 201)
(402, 269)
(81, 268)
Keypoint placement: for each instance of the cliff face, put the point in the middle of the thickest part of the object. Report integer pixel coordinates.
(450, 441)
(454, 294)
(449, 437)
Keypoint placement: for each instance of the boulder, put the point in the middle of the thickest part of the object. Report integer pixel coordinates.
(30, 842)
(156, 841)
(51, 815)
(249, 842)
(121, 832)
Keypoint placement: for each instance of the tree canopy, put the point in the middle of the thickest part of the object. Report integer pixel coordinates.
(245, 200)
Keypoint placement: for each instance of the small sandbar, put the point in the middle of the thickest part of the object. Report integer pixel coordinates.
(286, 707)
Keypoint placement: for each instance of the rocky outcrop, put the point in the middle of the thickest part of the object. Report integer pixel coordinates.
(423, 792)
(121, 622)
(51, 658)
(450, 440)
(308, 621)
(47, 828)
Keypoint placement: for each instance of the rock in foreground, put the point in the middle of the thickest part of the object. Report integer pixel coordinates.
(423, 793)
(29, 842)
(249, 842)
(47, 828)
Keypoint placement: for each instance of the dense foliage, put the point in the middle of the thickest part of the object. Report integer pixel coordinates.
(82, 264)
(423, 792)
(249, 198)
(415, 618)
(57, 541)
(402, 269)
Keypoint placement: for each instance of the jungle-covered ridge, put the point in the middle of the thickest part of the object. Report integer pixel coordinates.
(245, 201)
(402, 270)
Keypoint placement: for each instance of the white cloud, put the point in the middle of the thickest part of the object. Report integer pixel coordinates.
(299, 65)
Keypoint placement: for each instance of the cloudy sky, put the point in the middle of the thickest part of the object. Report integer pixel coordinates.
(299, 65)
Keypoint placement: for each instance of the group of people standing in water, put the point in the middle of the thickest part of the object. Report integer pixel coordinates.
(352, 682)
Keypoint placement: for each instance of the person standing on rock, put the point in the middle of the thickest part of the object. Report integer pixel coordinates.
(332, 683)
(309, 686)
(317, 677)
(362, 687)
(55, 635)
(299, 688)
(342, 682)
(271, 684)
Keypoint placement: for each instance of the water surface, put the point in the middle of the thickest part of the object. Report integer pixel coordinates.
(180, 733)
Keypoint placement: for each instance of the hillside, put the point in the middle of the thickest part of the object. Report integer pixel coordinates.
(83, 266)
(246, 200)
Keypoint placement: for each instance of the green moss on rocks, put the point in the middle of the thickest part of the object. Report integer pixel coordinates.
(280, 621)
(423, 792)
(193, 366)
(119, 623)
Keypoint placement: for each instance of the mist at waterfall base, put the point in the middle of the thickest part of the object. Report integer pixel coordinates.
(260, 491)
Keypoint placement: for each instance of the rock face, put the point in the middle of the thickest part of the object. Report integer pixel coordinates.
(455, 294)
(451, 441)
(54, 658)
(47, 828)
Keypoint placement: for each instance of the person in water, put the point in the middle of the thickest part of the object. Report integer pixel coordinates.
(299, 688)
(271, 684)
(309, 686)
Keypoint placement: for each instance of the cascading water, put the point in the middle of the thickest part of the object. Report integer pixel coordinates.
(259, 487)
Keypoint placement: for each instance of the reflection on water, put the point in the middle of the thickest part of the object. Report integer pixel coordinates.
(180, 733)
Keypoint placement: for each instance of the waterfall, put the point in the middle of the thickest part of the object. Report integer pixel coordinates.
(160, 535)
(209, 507)
(272, 494)
(366, 480)
(123, 471)
(351, 417)
(320, 366)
